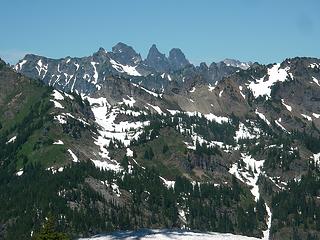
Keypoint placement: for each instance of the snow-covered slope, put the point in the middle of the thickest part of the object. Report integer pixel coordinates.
(262, 87)
(169, 234)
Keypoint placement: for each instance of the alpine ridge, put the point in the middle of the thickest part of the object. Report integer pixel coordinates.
(87, 74)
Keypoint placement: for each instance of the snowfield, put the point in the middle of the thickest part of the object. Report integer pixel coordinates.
(170, 234)
(124, 132)
(262, 87)
(249, 174)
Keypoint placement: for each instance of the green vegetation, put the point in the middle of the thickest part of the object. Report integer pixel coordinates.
(296, 210)
(156, 153)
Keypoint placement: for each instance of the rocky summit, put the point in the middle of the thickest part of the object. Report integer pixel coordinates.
(129, 143)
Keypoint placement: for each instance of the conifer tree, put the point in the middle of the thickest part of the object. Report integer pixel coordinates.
(49, 232)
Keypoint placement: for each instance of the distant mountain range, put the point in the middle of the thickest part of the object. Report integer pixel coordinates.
(87, 74)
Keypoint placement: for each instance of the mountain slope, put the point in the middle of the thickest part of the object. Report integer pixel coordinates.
(56, 150)
(211, 156)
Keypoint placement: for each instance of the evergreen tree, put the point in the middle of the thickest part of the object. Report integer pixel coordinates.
(48, 231)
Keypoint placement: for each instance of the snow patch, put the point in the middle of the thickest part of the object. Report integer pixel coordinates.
(129, 102)
(69, 96)
(156, 108)
(314, 65)
(211, 88)
(18, 66)
(57, 104)
(146, 90)
(95, 75)
(289, 108)
(130, 70)
(262, 87)
(129, 152)
(218, 119)
(105, 165)
(74, 157)
(307, 117)
(19, 173)
(169, 184)
(42, 67)
(12, 140)
(316, 157)
(263, 117)
(61, 119)
(77, 66)
(57, 95)
(316, 81)
(278, 122)
(316, 115)
(59, 142)
(240, 88)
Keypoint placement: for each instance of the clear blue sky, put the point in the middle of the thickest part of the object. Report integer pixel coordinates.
(206, 30)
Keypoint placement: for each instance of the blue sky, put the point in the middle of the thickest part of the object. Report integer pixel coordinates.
(206, 30)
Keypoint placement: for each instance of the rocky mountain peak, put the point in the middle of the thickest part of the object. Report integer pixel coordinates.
(101, 51)
(124, 54)
(154, 50)
(157, 60)
(101, 55)
(177, 59)
(203, 66)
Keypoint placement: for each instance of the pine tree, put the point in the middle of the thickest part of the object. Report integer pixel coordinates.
(48, 231)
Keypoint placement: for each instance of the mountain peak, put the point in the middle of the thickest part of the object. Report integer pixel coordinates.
(125, 54)
(101, 55)
(154, 51)
(177, 59)
(101, 49)
(157, 60)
